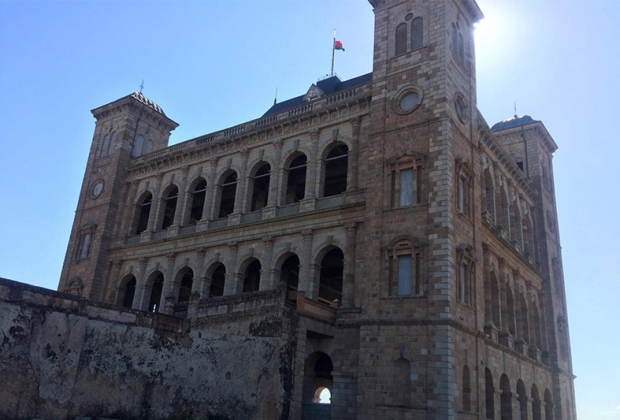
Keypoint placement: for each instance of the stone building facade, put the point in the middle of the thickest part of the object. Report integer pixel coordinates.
(414, 250)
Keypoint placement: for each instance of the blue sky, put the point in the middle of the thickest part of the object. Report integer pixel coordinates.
(214, 64)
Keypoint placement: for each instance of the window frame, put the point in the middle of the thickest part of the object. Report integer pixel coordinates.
(463, 188)
(465, 275)
(412, 162)
(412, 250)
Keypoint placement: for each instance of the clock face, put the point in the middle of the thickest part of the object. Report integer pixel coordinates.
(97, 189)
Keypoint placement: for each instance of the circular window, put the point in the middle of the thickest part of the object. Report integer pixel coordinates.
(409, 102)
(97, 189)
(461, 108)
(409, 16)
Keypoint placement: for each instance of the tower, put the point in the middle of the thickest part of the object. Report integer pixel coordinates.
(125, 129)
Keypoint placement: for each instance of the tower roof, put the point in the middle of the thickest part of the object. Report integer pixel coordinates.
(139, 96)
(513, 122)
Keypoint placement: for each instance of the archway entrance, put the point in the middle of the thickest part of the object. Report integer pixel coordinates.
(318, 383)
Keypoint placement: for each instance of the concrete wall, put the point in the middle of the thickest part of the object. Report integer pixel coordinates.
(61, 357)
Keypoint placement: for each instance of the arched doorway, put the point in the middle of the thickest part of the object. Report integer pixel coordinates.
(318, 383)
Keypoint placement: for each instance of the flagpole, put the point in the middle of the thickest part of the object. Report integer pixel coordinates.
(333, 52)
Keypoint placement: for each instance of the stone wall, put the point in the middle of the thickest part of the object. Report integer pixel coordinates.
(62, 357)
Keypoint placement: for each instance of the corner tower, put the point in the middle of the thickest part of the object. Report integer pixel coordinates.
(125, 130)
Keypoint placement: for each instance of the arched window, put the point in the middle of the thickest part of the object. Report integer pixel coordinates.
(170, 207)
(492, 298)
(289, 275)
(128, 291)
(330, 283)
(522, 401)
(417, 33)
(516, 231)
(218, 278)
(489, 392)
(458, 47)
(260, 187)
(228, 190)
(548, 405)
(296, 180)
(156, 281)
(185, 287)
(401, 39)
(488, 202)
(536, 405)
(85, 245)
(504, 208)
(336, 164)
(198, 195)
(523, 319)
(251, 278)
(466, 389)
(138, 143)
(317, 377)
(509, 310)
(143, 212)
(108, 144)
(148, 147)
(505, 398)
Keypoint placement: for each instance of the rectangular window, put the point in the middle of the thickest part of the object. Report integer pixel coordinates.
(404, 275)
(406, 187)
(461, 194)
(463, 295)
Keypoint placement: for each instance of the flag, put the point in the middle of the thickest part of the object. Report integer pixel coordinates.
(338, 45)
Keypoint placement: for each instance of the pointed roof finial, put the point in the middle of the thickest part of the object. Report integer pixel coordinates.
(515, 109)
(275, 99)
(141, 85)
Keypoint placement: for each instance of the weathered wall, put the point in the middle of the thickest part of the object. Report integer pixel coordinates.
(62, 357)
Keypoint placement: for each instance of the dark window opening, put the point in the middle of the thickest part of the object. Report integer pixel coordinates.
(229, 190)
(519, 163)
(317, 377)
(401, 39)
(522, 401)
(129, 292)
(330, 284)
(260, 191)
(505, 398)
(156, 291)
(548, 405)
(170, 208)
(336, 165)
(198, 202)
(417, 35)
(85, 246)
(536, 406)
(289, 275)
(186, 286)
(466, 389)
(144, 210)
(489, 395)
(251, 282)
(218, 278)
(296, 182)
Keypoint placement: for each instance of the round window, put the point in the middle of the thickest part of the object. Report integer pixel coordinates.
(409, 102)
(97, 189)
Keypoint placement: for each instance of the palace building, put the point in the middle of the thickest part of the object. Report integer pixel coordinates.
(401, 254)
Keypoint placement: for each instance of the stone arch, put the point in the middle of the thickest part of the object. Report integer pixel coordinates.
(126, 290)
(522, 317)
(331, 263)
(508, 315)
(249, 270)
(169, 201)
(195, 208)
(505, 398)
(287, 271)
(536, 404)
(516, 229)
(216, 277)
(334, 168)
(183, 283)
(143, 207)
(548, 405)
(489, 393)
(154, 287)
(488, 194)
(294, 177)
(521, 401)
(259, 180)
(318, 368)
(226, 192)
(466, 390)
(504, 210)
(415, 11)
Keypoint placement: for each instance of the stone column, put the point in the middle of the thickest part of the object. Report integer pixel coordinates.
(266, 276)
(208, 209)
(352, 168)
(348, 287)
(230, 286)
(198, 286)
(240, 196)
(156, 204)
(305, 263)
(497, 404)
(113, 282)
(140, 300)
(180, 214)
(168, 287)
(127, 215)
(311, 170)
(193, 307)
